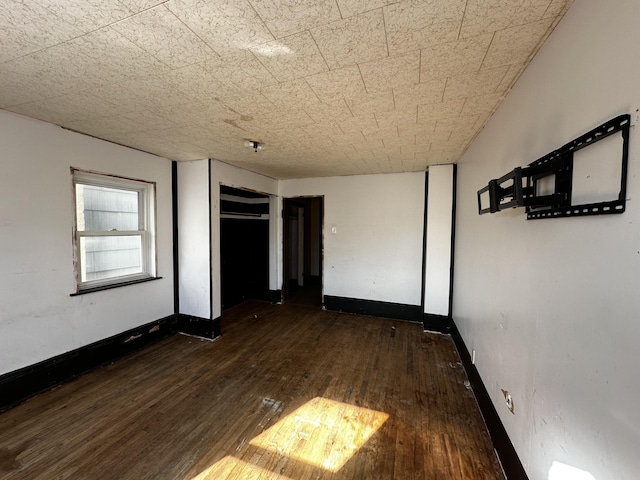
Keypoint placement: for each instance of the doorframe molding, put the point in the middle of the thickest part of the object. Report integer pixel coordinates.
(298, 200)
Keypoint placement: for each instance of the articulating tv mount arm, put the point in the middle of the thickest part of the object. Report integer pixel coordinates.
(520, 187)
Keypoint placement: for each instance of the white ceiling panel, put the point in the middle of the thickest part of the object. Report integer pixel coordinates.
(515, 45)
(454, 58)
(364, 103)
(510, 77)
(87, 15)
(27, 27)
(472, 84)
(226, 25)
(481, 104)
(349, 8)
(391, 72)
(428, 113)
(240, 70)
(137, 6)
(365, 124)
(160, 33)
(103, 57)
(356, 39)
(291, 57)
(323, 112)
(331, 87)
(337, 84)
(284, 17)
(67, 108)
(414, 24)
(408, 98)
(483, 16)
(295, 94)
(396, 118)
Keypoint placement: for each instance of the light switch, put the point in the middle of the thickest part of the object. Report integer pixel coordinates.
(334, 229)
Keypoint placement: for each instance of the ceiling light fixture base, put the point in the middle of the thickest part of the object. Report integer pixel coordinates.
(254, 144)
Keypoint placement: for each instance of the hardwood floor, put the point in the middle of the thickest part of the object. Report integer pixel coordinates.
(287, 392)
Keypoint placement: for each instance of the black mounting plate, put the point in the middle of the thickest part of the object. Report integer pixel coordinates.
(520, 187)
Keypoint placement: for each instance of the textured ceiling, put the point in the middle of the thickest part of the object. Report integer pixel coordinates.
(331, 87)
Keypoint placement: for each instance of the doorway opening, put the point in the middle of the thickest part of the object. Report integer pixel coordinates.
(244, 246)
(303, 219)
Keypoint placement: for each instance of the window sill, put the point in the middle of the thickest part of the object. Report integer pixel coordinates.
(114, 285)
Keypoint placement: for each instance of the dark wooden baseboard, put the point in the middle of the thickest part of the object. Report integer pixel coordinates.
(17, 386)
(275, 296)
(199, 327)
(509, 459)
(439, 323)
(373, 308)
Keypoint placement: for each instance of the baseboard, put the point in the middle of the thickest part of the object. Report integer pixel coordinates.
(199, 327)
(439, 323)
(509, 459)
(275, 296)
(373, 308)
(17, 386)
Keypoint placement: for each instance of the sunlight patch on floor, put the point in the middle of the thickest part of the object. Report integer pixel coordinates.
(231, 467)
(323, 433)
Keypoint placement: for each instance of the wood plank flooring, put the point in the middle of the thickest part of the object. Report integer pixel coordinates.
(287, 392)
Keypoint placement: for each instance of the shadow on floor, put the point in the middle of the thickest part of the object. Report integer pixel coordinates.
(310, 295)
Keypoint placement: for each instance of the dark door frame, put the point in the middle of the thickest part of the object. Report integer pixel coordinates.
(304, 202)
(257, 287)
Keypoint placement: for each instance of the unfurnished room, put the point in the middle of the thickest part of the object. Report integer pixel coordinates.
(319, 239)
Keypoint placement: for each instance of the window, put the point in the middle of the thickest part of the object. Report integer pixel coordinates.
(114, 232)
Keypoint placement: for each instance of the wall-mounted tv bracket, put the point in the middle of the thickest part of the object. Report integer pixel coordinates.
(521, 186)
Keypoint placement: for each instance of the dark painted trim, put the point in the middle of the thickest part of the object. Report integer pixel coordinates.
(424, 238)
(174, 208)
(113, 285)
(17, 386)
(373, 308)
(275, 296)
(439, 323)
(210, 246)
(199, 327)
(453, 236)
(509, 459)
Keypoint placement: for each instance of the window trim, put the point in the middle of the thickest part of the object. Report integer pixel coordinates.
(146, 229)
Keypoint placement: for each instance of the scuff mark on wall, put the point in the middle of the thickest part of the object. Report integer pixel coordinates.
(509, 400)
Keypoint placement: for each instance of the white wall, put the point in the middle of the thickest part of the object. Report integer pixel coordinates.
(38, 318)
(551, 306)
(376, 253)
(225, 174)
(193, 238)
(438, 240)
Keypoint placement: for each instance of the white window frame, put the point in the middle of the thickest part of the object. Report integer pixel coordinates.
(146, 228)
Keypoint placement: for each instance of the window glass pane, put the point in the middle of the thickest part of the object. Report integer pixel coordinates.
(106, 209)
(108, 257)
